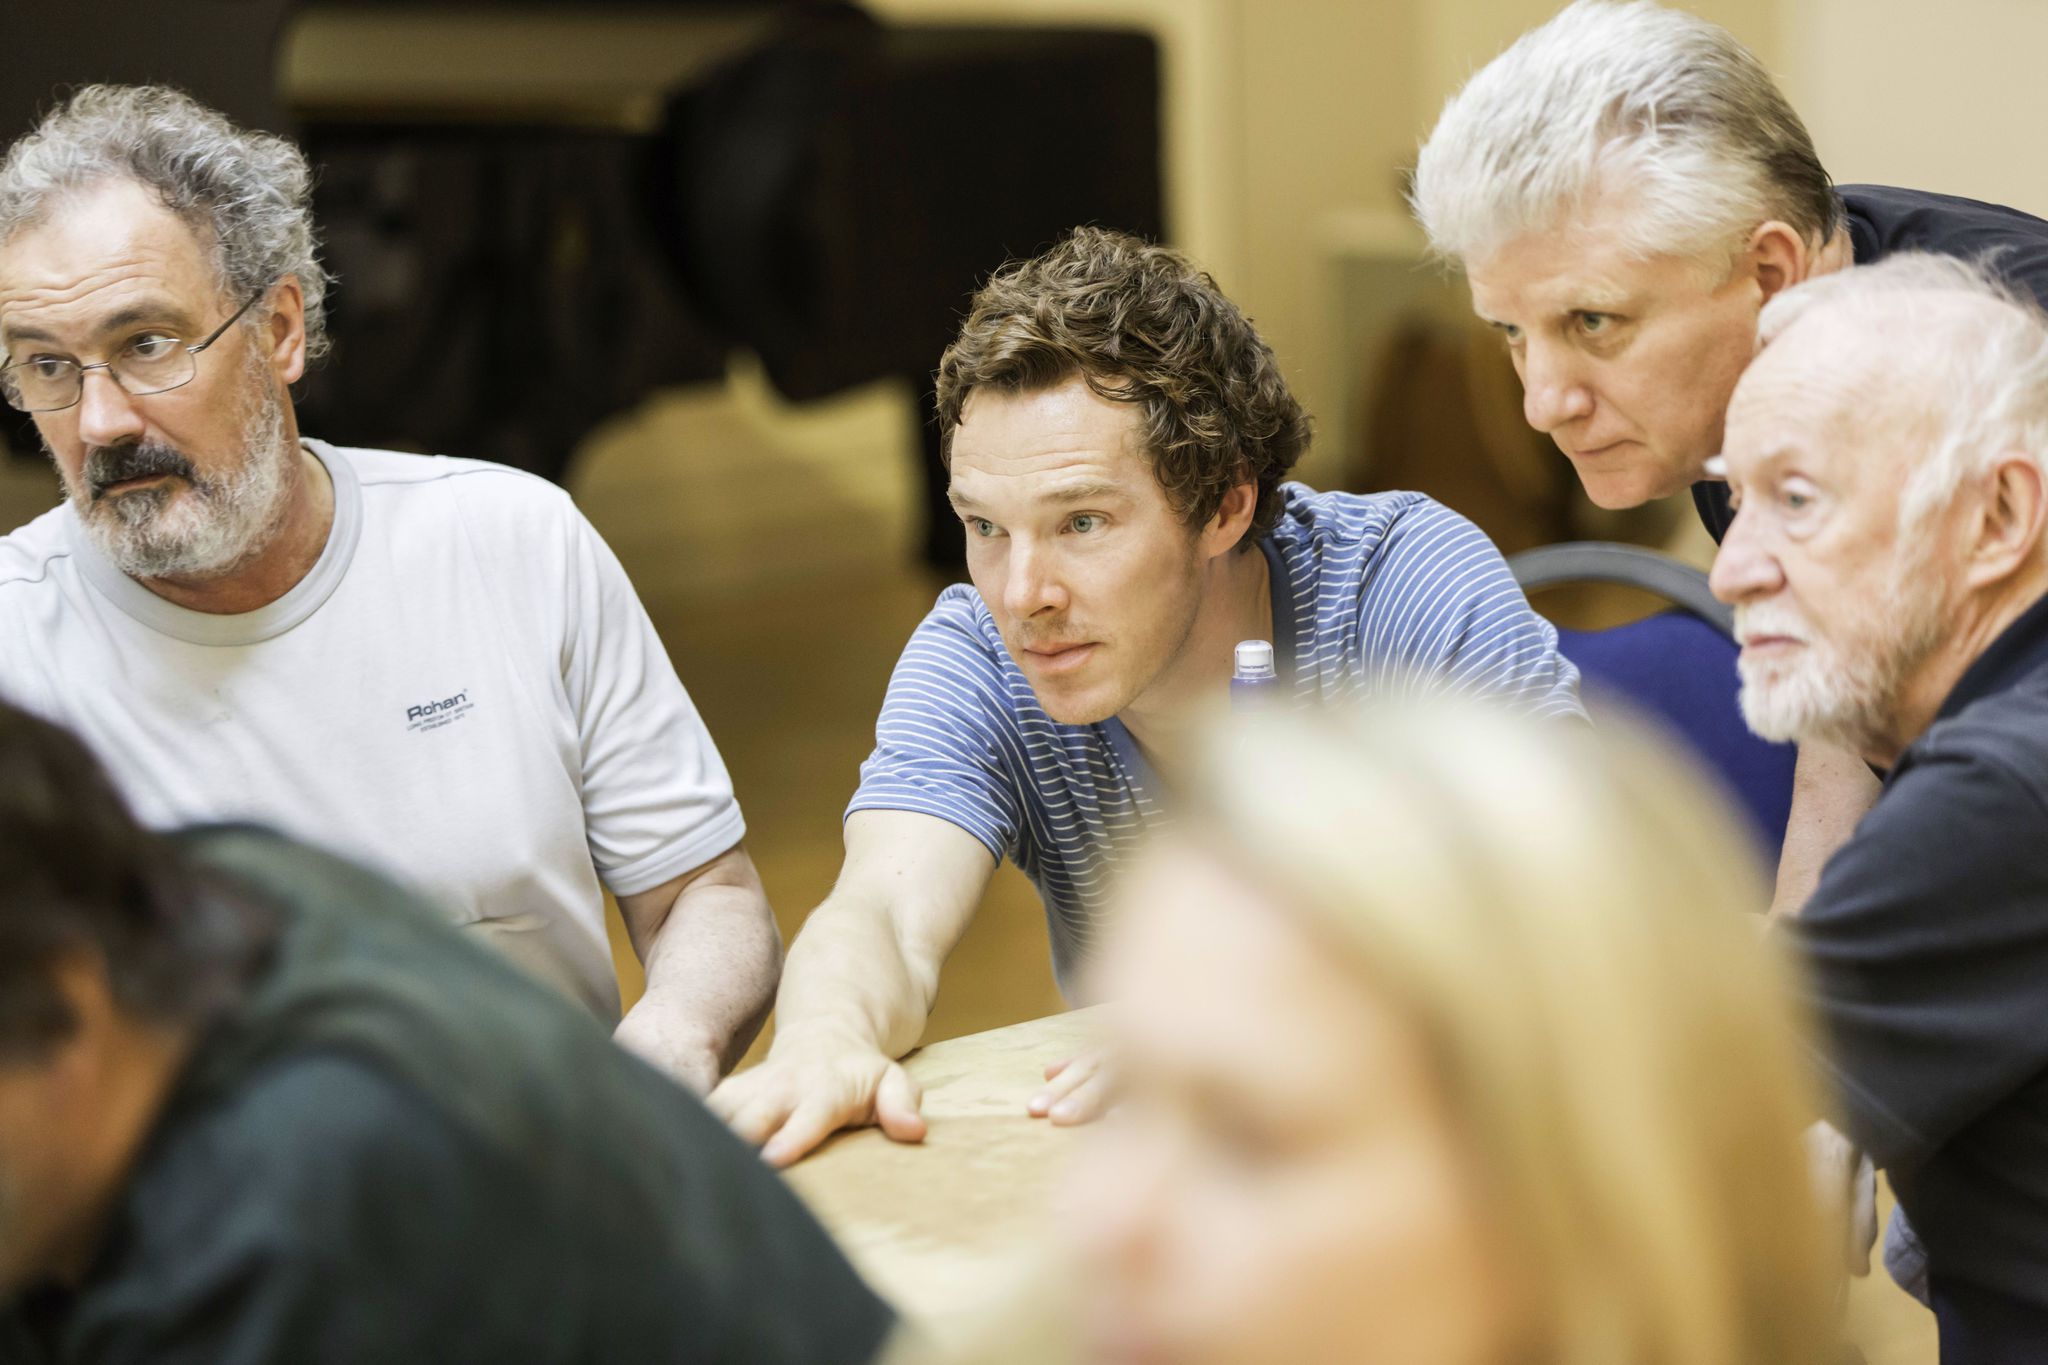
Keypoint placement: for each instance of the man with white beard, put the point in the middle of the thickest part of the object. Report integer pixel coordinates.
(1887, 566)
(434, 666)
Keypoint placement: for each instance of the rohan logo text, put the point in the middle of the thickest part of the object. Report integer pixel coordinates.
(432, 715)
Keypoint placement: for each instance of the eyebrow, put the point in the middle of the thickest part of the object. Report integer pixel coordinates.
(1072, 493)
(1594, 298)
(149, 311)
(1084, 492)
(1597, 298)
(1770, 461)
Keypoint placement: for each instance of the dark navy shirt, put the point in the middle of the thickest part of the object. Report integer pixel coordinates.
(1928, 944)
(1882, 220)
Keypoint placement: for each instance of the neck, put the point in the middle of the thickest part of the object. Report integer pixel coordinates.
(1237, 604)
(142, 1065)
(274, 570)
(1980, 623)
(1836, 253)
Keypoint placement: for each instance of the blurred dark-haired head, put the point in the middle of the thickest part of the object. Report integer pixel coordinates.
(81, 880)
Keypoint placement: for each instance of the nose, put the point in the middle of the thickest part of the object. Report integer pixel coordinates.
(1745, 568)
(1030, 584)
(1553, 391)
(107, 415)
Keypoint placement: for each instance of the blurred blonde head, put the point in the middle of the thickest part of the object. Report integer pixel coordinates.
(1565, 916)
(1449, 1039)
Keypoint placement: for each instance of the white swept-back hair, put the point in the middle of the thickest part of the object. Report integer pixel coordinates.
(1990, 367)
(1623, 97)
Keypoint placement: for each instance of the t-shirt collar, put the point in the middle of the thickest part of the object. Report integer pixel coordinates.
(244, 628)
(2020, 650)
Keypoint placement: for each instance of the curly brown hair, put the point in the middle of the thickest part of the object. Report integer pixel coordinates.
(1140, 324)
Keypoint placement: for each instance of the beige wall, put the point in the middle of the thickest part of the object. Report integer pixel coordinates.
(1942, 96)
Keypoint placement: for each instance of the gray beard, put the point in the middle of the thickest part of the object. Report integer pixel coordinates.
(217, 524)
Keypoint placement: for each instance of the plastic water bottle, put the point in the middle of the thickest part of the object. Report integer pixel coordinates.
(1255, 680)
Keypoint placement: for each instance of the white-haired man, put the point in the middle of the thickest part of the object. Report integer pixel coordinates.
(1888, 569)
(1625, 187)
(432, 665)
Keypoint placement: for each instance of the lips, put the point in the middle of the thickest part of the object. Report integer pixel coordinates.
(122, 485)
(1058, 658)
(1595, 452)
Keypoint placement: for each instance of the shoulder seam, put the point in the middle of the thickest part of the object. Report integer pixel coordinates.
(42, 577)
(442, 475)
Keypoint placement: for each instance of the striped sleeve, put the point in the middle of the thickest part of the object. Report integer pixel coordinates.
(1440, 609)
(946, 743)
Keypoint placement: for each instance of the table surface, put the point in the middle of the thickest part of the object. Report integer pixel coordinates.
(944, 1227)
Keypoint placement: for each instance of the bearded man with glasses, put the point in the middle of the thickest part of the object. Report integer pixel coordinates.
(431, 665)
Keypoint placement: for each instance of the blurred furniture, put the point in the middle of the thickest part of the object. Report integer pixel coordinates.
(499, 292)
(1674, 668)
(1445, 419)
(539, 213)
(482, 197)
(832, 198)
(942, 1227)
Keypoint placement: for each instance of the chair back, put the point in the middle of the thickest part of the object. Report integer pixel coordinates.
(1675, 668)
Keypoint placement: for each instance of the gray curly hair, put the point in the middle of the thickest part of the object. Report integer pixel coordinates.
(250, 191)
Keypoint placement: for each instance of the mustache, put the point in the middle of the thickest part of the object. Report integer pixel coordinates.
(1767, 619)
(106, 466)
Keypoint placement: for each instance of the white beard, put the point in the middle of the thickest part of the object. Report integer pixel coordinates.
(1844, 691)
(210, 525)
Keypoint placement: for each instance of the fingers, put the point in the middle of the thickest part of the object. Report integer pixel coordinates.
(753, 1117)
(1068, 1080)
(1089, 1101)
(1863, 1217)
(897, 1105)
(810, 1124)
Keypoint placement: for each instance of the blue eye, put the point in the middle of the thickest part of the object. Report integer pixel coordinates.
(1592, 324)
(1084, 523)
(981, 526)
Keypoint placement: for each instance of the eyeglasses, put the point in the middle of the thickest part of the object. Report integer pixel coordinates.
(154, 362)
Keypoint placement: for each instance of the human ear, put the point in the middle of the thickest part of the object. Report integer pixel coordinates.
(2009, 522)
(1778, 257)
(286, 333)
(1232, 519)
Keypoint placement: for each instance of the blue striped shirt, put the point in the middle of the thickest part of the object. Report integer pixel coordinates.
(1375, 594)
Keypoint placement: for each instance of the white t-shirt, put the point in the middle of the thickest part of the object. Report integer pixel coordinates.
(463, 692)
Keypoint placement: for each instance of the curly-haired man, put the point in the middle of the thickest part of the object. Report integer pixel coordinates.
(1117, 435)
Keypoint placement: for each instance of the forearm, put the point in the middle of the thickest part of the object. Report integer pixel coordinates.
(711, 971)
(852, 976)
(1831, 791)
